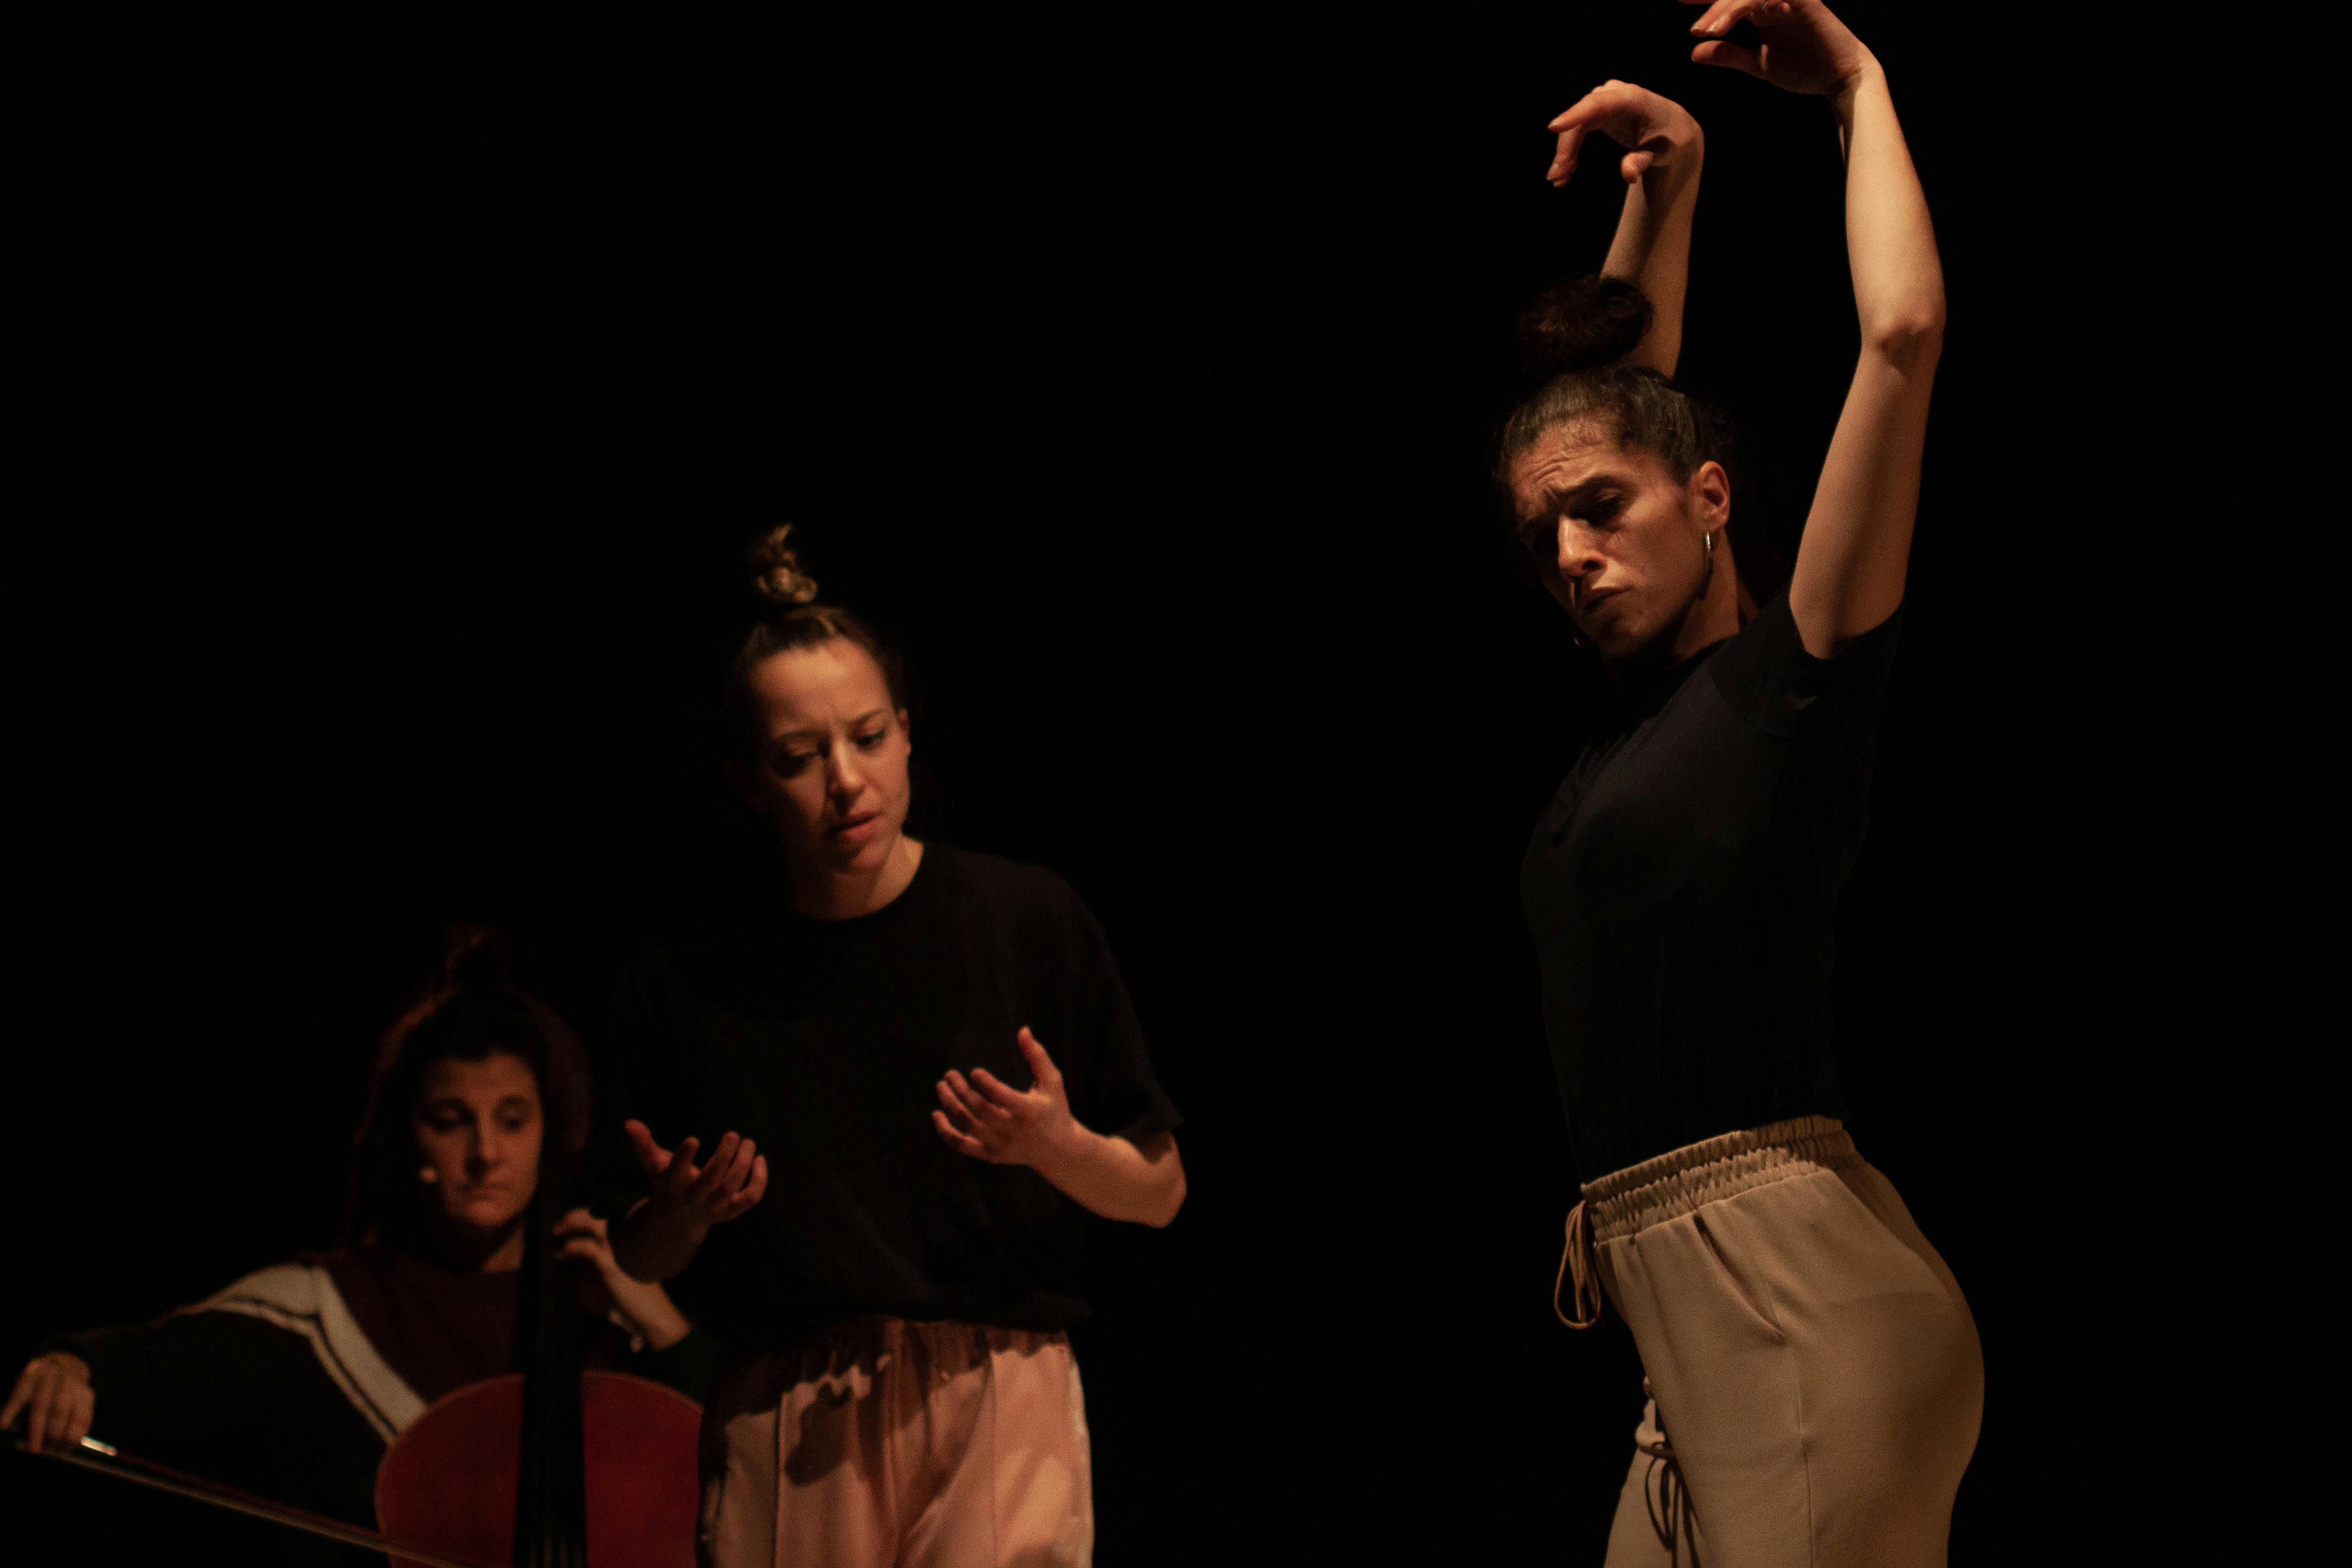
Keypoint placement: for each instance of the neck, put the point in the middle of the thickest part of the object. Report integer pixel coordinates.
(468, 1251)
(1712, 615)
(830, 895)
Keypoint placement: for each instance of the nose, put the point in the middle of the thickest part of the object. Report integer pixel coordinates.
(844, 780)
(1578, 557)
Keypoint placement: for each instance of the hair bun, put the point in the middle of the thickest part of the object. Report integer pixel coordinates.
(776, 573)
(477, 956)
(1582, 324)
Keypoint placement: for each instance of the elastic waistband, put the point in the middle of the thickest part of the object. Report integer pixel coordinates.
(876, 1333)
(1675, 1182)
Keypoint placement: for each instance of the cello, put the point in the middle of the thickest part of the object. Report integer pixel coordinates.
(602, 1473)
(548, 1466)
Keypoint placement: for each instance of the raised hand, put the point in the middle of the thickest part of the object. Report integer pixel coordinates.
(985, 1117)
(702, 1195)
(660, 1236)
(1805, 49)
(54, 1392)
(1657, 130)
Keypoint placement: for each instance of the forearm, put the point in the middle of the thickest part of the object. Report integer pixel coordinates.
(1898, 281)
(1118, 1180)
(651, 1246)
(1652, 250)
(1854, 559)
(653, 1315)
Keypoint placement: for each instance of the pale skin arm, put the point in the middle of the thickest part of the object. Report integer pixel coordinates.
(1857, 543)
(1660, 170)
(987, 1119)
(660, 1235)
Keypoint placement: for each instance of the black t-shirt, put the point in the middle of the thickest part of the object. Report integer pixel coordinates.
(822, 1040)
(1680, 886)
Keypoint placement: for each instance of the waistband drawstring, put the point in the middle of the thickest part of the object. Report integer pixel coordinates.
(1576, 1260)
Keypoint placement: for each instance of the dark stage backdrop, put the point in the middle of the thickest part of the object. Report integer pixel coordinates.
(405, 402)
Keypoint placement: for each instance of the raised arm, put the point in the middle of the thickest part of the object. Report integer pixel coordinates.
(1661, 171)
(1857, 542)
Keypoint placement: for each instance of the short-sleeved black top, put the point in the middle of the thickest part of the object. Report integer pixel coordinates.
(822, 1040)
(1680, 886)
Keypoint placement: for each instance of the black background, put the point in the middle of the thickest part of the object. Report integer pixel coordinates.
(403, 404)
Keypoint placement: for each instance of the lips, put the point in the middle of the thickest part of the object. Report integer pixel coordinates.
(1596, 597)
(850, 826)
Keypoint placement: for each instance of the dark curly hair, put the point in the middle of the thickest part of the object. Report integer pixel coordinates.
(1577, 335)
(473, 1012)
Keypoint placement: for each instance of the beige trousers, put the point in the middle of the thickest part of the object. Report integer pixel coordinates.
(890, 1444)
(1814, 1375)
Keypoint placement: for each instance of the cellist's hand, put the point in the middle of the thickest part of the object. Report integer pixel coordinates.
(54, 1392)
(661, 1235)
(584, 1241)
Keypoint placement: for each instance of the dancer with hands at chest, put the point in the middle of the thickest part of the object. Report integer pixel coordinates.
(1815, 1375)
(919, 1071)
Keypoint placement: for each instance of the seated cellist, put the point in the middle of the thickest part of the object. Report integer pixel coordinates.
(293, 1382)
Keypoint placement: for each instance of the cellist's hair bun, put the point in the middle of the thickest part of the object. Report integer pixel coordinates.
(1583, 323)
(477, 956)
(776, 574)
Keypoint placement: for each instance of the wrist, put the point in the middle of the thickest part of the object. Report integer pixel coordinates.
(1070, 1155)
(1681, 160)
(1866, 73)
(660, 1324)
(653, 1238)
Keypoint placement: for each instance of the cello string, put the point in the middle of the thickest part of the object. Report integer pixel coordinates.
(164, 1479)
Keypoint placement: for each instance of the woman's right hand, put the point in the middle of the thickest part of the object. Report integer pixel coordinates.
(1659, 131)
(54, 1392)
(1805, 49)
(701, 1195)
(661, 1235)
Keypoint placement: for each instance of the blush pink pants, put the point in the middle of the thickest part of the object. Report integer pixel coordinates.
(890, 1444)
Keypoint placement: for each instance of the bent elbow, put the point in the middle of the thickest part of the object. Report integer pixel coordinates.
(1909, 340)
(1168, 1205)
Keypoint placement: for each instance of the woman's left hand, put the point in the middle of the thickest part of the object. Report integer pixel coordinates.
(585, 1240)
(988, 1120)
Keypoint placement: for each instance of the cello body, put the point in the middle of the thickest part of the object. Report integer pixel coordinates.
(450, 1484)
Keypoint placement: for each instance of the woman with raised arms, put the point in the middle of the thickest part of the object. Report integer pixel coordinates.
(1815, 1377)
